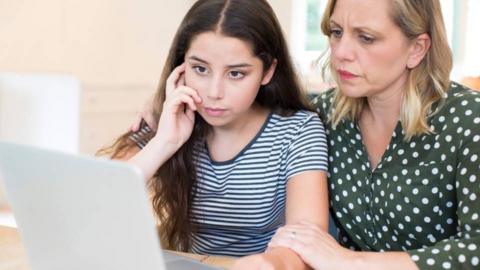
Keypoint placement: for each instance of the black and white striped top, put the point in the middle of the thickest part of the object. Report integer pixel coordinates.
(240, 203)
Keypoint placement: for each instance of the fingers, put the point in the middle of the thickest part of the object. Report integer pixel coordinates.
(190, 114)
(181, 80)
(193, 93)
(297, 244)
(296, 233)
(150, 120)
(146, 115)
(184, 96)
(173, 79)
(136, 124)
(187, 91)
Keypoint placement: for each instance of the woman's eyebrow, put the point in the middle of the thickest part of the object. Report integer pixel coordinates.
(358, 29)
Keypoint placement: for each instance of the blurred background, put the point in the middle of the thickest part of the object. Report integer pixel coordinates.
(73, 73)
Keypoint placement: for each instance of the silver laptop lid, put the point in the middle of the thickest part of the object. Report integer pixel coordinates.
(68, 216)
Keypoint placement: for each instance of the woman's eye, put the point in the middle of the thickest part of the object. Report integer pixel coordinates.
(236, 74)
(366, 39)
(200, 69)
(336, 33)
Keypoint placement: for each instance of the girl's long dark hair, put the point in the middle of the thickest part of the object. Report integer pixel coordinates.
(254, 22)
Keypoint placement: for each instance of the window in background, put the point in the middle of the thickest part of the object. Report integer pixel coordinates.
(309, 43)
(467, 21)
(315, 40)
(461, 19)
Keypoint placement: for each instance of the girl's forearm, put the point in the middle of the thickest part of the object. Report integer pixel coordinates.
(153, 156)
(287, 258)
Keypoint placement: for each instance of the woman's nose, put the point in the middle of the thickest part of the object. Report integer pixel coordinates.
(343, 49)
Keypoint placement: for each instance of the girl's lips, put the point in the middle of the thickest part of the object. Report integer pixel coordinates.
(345, 75)
(215, 112)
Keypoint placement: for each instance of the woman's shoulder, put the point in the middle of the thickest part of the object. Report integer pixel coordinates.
(460, 100)
(325, 97)
(323, 102)
(458, 91)
(458, 110)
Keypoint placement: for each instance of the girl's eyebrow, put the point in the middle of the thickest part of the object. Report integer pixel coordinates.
(241, 65)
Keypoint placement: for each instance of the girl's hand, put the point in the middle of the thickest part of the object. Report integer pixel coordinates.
(176, 122)
(315, 246)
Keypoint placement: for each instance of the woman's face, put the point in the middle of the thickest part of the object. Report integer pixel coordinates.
(226, 75)
(368, 51)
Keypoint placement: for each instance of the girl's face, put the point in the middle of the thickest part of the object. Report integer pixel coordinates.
(226, 75)
(368, 51)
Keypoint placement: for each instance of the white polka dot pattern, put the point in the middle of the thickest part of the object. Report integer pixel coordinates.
(422, 197)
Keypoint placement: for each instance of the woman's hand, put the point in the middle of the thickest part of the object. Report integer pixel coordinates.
(177, 119)
(145, 115)
(315, 246)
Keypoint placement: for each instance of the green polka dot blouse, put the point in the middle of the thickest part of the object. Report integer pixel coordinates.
(423, 197)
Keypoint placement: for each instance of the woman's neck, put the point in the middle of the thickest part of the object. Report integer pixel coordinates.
(378, 121)
(384, 108)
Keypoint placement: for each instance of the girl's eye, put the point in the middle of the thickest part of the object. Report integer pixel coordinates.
(366, 39)
(236, 74)
(200, 70)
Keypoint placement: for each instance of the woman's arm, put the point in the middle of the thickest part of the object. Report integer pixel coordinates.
(382, 260)
(321, 251)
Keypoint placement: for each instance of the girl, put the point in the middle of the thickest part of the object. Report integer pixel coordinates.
(237, 152)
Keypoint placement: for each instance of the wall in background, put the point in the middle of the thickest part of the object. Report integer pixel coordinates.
(116, 48)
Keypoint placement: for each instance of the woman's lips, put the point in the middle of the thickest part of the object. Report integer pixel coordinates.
(345, 75)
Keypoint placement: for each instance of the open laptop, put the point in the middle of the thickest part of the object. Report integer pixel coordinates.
(77, 212)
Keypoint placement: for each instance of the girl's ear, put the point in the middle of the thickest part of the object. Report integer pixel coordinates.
(419, 49)
(268, 75)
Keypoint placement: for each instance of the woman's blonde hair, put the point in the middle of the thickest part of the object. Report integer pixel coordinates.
(427, 82)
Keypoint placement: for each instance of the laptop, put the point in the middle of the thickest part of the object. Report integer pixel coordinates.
(75, 212)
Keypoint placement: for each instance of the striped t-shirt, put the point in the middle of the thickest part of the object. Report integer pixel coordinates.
(240, 203)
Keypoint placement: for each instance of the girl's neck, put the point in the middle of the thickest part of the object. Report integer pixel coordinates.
(226, 142)
(254, 118)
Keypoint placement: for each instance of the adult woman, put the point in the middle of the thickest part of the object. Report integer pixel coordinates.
(412, 195)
